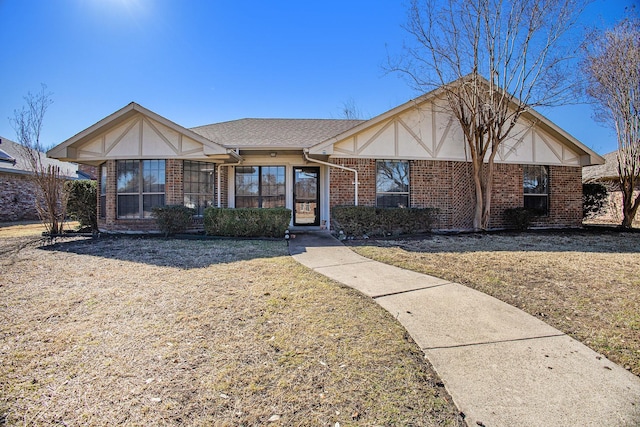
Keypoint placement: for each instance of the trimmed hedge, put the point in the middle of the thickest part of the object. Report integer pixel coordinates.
(82, 204)
(247, 222)
(173, 219)
(371, 221)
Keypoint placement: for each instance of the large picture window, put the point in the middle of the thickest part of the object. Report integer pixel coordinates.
(198, 185)
(536, 188)
(392, 184)
(140, 187)
(260, 186)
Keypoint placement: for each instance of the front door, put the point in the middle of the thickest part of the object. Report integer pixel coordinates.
(306, 196)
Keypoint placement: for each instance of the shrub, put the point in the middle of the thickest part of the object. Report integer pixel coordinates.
(247, 222)
(173, 219)
(594, 197)
(520, 218)
(82, 203)
(367, 220)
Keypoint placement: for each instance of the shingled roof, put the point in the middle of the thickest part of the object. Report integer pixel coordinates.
(274, 133)
(605, 172)
(17, 163)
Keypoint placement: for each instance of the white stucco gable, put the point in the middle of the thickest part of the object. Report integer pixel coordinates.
(134, 132)
(424, 129)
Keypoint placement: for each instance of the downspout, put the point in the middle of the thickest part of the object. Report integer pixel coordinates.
(332, 165)
(220, 176)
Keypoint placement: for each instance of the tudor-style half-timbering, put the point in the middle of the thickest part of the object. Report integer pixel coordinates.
(134, 132)
(426, 130)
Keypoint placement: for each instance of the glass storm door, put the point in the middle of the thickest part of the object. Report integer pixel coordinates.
(306, 196)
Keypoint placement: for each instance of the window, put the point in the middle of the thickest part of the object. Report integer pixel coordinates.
(103, 190)
(392, 184)
(536, 188)
(198, 185)
(260, 186)
(140, 187)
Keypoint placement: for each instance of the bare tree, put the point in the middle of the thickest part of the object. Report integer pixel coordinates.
(493, 60)
(612, 67)
(350, 110)
(48, 178)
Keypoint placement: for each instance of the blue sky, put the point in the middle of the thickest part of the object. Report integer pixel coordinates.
(200, 62)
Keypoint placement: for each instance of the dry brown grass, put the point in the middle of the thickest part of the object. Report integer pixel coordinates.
(586, 283)
(28, 228)
(133, 331)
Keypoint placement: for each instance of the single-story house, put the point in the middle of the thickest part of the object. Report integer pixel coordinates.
(17, 191)
(413, 155)
(607, 174)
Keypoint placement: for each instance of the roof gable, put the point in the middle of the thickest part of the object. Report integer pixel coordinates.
(133, 132)
(423, 128)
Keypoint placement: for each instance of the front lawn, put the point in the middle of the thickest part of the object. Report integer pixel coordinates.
(147, 331)
(585, 283)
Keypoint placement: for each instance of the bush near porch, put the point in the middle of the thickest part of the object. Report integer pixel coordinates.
(372, 221)
(246, 222)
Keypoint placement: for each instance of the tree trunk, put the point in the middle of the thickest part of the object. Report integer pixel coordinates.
(629, 205)
(479, 208)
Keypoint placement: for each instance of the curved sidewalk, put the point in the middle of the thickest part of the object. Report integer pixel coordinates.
(501, 366)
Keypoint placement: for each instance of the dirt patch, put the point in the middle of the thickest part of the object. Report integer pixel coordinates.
(585, 283)
(135, 331)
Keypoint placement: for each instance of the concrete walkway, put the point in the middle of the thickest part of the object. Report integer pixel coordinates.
(502, 366)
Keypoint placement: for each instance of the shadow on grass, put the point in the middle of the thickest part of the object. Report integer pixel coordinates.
(183, 253)
(591, 240)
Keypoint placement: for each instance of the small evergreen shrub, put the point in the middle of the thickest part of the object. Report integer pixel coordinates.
(519, 218)
(371, 221)
(247, 222)
(594, 198)
(172, 219)
(82, 203)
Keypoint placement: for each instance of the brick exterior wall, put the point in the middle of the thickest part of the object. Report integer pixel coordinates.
(174, 195)
(342, 182)
(448, 186)
(17, 198)
(174, 184)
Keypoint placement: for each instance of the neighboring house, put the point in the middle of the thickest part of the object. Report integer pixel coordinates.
(412, 155)
(17, 191)
(607, 174)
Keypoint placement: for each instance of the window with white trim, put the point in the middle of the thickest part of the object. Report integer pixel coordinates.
(392, 183)
(141, 187)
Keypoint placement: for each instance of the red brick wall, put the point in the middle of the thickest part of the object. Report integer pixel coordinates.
(341, 182)
(448, 186)
(565, 198)
(174, 187)
(17, 198)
